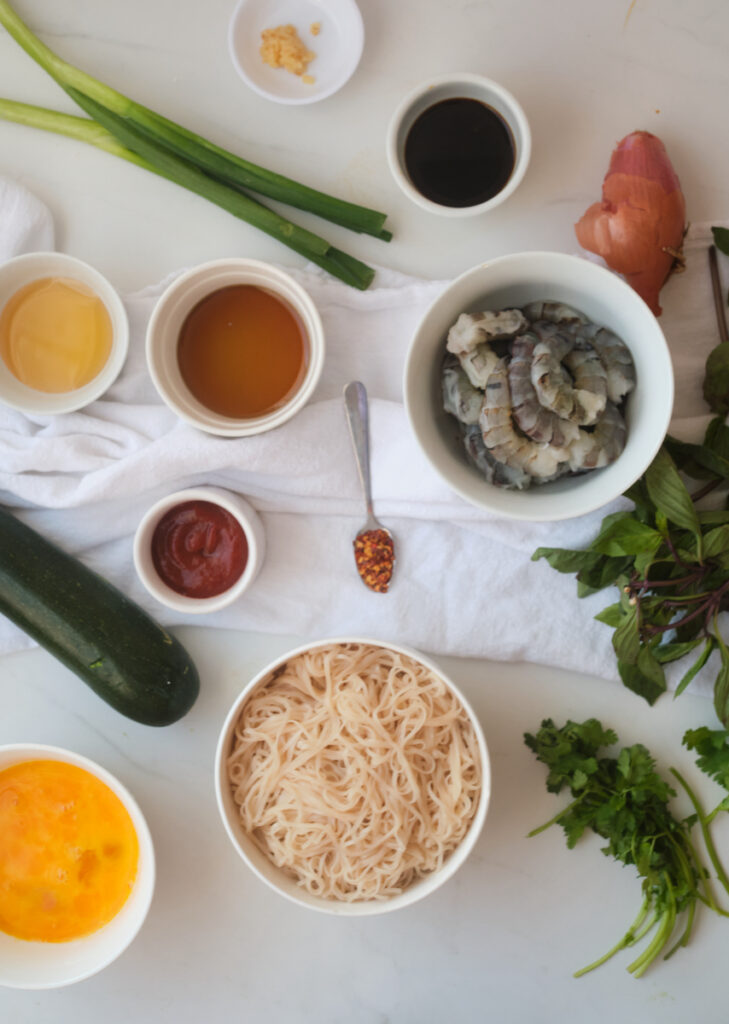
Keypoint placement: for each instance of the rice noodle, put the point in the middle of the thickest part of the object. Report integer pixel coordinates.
(355, 770)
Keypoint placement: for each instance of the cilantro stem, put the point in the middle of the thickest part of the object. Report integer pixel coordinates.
(686, 933)
(706, 835)
(628, 939)
(555, 819)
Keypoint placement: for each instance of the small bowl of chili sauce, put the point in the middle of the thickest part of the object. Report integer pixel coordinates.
(199, 549)
(459, 145)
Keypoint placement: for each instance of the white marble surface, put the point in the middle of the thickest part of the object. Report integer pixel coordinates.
(499, 941)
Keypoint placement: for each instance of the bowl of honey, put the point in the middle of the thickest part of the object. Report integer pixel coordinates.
(64, 333)
(235, 347)
(77, 867)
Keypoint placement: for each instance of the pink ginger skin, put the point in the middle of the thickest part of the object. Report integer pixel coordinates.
(641, 216)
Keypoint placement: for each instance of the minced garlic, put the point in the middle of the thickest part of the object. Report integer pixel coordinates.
(282, 48)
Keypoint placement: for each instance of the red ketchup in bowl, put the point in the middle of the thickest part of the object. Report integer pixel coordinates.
(199, 549)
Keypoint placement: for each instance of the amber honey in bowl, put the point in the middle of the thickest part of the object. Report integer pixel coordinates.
(242, 352)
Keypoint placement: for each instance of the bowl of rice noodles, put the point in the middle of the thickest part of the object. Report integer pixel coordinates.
(352, 776)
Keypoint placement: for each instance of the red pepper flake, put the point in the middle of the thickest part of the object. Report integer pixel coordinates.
(374, 553)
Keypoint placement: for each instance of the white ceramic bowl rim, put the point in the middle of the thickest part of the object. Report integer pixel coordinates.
(514, 280)
(22, 270)
(44, 965)
(181, 295)
(446, 86)
(241, 511)
(268, 873)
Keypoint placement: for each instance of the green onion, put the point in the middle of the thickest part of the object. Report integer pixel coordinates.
(339, 264)
(206, 155)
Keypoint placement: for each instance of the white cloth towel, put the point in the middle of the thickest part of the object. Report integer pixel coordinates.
(464, 581)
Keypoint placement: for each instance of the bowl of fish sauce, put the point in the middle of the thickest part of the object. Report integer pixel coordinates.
(200, 549)
(514, 284)
(64, 333)
(235, 347)
(459, 145)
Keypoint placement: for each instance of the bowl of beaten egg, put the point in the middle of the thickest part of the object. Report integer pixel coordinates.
(235, 347)
(76, 867)
(352, 776)
(64, 333)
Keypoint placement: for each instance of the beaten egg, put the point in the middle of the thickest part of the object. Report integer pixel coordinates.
(68, 852)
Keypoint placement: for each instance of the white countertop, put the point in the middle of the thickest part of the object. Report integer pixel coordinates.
(501, 939)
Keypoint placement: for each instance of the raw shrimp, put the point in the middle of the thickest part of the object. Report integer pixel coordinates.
(494, 472)
(460, 398)
(479, 364)
(541, 461)
(538, 423)
(555, 312)
(471, 329)
(590, 383)
(551, 381)
(601, 445)
(616, 358)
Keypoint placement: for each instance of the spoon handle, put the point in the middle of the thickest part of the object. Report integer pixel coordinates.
(355, 402)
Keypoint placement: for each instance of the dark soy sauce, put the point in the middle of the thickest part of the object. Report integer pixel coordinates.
(459, 152)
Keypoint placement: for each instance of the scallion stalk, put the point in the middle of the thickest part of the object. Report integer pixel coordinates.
(335, 262)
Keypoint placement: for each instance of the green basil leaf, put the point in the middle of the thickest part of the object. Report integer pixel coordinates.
(721, 239)
(612, 615)
(713, 517)
(626, 640)
(716, 542)
(643, 562)
(721, 688)
(666, 653)
(717, 437)
(670, 495)
(604, 573)
(688, 458)
(627, 537)
(645, 678)
(716, 379)
(696, 667)
(638, 494)
(564, 560)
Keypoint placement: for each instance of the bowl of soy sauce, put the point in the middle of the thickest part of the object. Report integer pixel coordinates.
(459, 145)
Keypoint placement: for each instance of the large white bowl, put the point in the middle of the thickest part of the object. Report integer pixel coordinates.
(276, 879)
(513, 281)
(37, 965)
(33, 266)
(168, 316)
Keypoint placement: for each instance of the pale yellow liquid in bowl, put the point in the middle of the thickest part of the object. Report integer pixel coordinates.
(55, 335)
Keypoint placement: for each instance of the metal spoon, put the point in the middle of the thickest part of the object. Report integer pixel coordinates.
(355, 403)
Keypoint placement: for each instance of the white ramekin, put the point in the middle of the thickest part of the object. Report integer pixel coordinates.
(39, 965)
(169, 315)
(245, 515)
(21, 271)
(280, 882)
(455, 86)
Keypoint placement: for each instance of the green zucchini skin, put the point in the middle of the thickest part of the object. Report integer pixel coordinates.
(126, 657)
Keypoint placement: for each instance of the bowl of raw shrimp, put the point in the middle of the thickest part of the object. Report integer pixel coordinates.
(539, 386)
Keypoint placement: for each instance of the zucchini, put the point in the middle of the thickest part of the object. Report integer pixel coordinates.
(126, 657)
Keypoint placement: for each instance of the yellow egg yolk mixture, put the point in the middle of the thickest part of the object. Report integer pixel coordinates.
(68, 852)
(55, 335)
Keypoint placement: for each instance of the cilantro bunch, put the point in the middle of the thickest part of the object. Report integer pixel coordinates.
(625, 801)
(670, 561)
